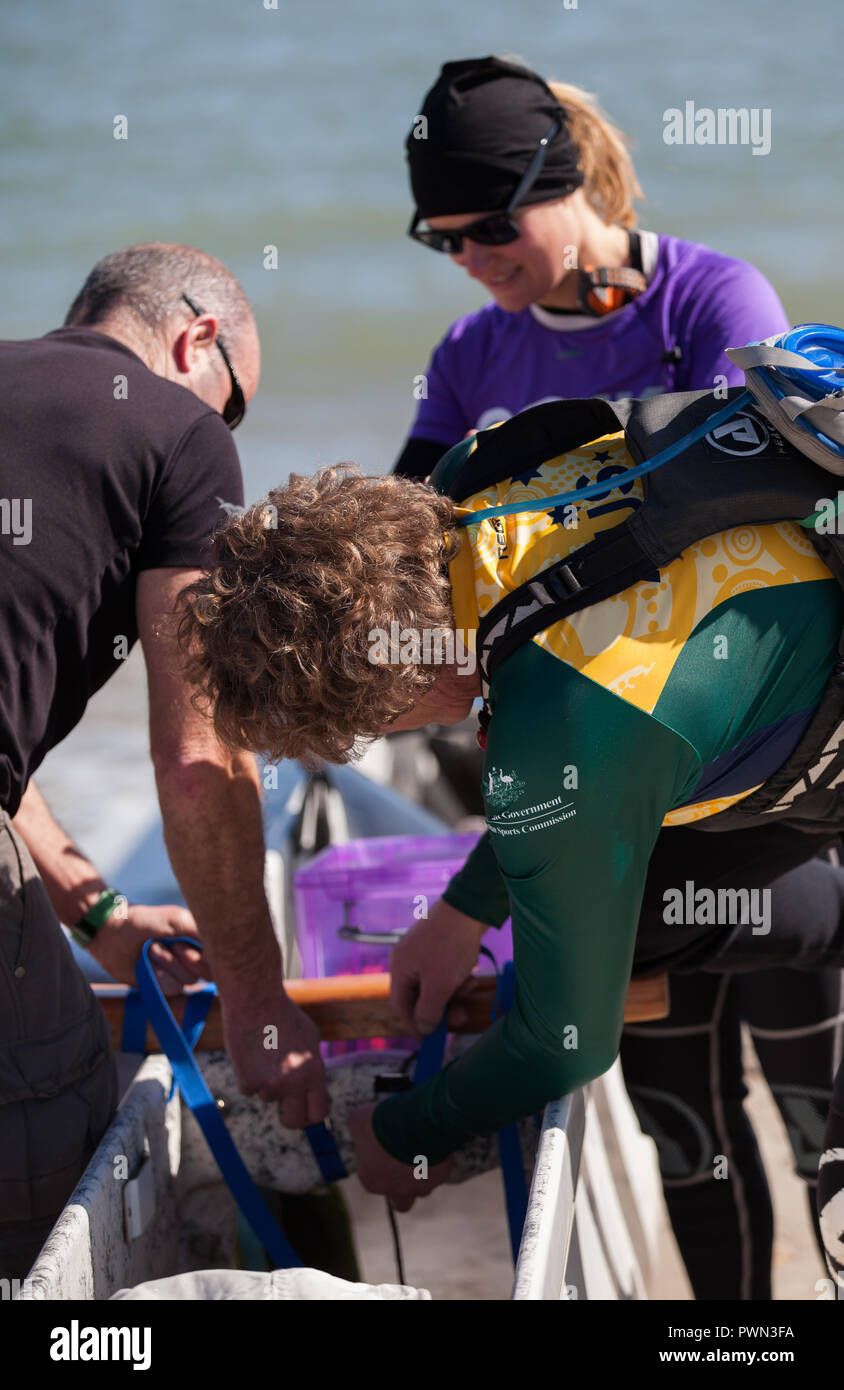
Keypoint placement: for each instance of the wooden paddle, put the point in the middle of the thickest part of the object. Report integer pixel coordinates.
(358, 1006)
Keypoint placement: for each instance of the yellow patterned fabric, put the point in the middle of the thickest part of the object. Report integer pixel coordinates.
(629, 643)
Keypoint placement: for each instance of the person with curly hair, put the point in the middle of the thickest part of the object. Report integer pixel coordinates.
(603, 732)
(285, 618)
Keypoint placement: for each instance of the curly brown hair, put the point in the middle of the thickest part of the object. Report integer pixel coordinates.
(277, 635)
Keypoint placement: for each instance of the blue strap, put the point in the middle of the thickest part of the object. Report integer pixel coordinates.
(320, 1138)
(429, 1062)
(196, 1012)
(134, 1035)
(325, 1151)
(193, 1020)
(429, 1059)
(509, 1147)
(621, 479)
(203, 1106)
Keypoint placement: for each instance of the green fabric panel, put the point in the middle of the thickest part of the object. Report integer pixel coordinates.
(570, 861)
(781, 645)
(575, 883)
(478, 888)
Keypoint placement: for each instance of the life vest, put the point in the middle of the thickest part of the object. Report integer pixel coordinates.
(708, 464)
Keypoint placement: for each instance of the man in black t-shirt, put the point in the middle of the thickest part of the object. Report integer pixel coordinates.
(116, 464)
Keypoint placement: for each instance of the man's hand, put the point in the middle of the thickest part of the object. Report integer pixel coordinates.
(274, 1049)
(432, 964)
(384, 1175)
(118, 944)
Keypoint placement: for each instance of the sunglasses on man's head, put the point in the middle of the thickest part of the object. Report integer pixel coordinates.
(235, 407)
(498, 228)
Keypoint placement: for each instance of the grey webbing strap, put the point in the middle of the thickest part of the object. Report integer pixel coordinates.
(766, 355)
(786, 410)
(830, 417)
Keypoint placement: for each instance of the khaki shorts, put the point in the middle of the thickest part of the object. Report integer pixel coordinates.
(58, 1084)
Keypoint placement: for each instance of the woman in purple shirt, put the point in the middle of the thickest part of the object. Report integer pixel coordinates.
(553, 329)
(529, 189)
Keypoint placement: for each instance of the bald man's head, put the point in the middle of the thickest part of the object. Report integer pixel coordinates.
(137, 295)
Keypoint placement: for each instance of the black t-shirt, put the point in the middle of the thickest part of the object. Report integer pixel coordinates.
(105, 469)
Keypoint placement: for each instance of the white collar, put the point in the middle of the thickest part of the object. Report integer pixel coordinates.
(572, 323)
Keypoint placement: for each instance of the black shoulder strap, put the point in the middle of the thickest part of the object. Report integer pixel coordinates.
(534, 436)
(709, 487)
(605, 566)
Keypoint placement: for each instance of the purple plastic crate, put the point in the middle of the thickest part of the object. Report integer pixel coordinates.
(376, 885)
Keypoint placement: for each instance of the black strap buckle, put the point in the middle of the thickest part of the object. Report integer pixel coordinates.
(392, 1082)
(560, 581)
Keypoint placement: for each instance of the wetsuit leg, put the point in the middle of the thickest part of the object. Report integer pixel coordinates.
(806, 934)
(684, 1077)
(830, 1193)
(724, 1229)
(796, 1019)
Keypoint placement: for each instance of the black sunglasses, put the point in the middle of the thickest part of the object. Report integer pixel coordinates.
(498, 228)
(235, 407)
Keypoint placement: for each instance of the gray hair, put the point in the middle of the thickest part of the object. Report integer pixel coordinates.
(148, 282)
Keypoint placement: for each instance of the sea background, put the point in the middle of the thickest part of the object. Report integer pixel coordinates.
(251, 127)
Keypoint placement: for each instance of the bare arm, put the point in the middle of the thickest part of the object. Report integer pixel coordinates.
(73, 886)
(211, 806)
(213, 827)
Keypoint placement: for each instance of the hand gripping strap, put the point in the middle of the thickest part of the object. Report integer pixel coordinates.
(202, 1105)
(196, 1095)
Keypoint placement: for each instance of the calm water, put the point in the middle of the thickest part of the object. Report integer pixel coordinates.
(250, 127)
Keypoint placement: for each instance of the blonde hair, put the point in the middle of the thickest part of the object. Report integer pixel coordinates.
(610, 182)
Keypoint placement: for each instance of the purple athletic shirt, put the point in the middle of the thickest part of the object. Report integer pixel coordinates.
(492, 364)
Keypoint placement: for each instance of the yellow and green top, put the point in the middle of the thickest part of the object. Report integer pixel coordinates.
(660, 706)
